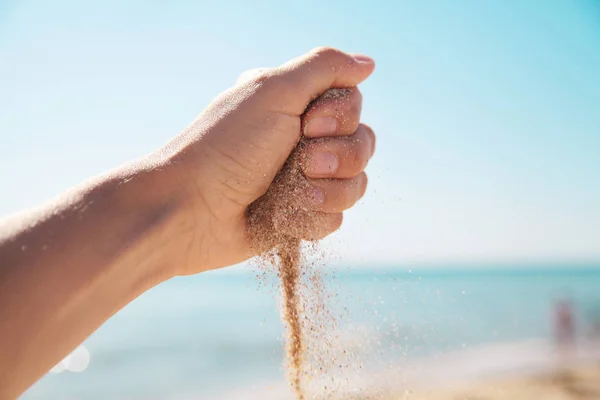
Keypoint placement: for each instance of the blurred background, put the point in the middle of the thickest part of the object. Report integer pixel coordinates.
(475, 254)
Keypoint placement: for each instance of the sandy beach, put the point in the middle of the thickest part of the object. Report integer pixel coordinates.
(572, 384)
(515, 371)
(503, 371)
(577, 383)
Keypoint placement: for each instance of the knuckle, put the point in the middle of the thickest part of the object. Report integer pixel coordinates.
(363, 183)
(325, 51)
(358, 97)
(251, 74)
(343, 199)
(329, 56)
(265, 80)
(365, 139)
(353, 104)
(261, 78)
(261, 82)
(336, 221)
(357, 190)
(360, 156)
(353, 116)
(353, 159)
(274, 81)
(281, 83)
(350, 197)
(367, 128)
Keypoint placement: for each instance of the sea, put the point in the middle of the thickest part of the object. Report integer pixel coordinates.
(218, 335)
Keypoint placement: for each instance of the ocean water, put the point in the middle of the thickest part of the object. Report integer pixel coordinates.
(218, 335)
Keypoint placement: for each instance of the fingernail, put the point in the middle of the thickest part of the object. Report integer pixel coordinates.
(321, 126)
(323, 163)
(363, 58)
(317, 196)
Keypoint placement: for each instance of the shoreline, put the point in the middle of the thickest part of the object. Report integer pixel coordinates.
(488, 366)
(481, 372)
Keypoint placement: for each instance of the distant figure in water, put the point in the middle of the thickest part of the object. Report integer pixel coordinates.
(564, 328)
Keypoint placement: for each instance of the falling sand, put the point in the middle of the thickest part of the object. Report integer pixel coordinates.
(272, 221)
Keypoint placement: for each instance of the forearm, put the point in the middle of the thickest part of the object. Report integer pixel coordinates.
(68, 267)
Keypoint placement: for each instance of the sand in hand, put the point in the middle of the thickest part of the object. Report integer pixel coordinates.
(266, 218)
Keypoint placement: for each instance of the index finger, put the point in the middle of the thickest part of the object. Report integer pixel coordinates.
(335, 113)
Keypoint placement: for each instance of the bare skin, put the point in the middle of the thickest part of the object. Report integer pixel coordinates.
(68, 266)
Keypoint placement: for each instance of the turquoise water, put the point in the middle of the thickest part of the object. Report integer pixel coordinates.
(208, 335)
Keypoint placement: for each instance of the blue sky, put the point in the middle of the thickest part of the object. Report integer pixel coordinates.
(487, 112)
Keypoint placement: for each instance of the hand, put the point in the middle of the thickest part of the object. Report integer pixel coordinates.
(232, 152)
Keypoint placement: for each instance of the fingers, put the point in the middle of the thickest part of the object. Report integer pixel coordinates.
(337, 148)
(330, 195)
(303, 79)
(334, 171)
(340, 194)
(339, 157)
(336, 113)
(316, 204)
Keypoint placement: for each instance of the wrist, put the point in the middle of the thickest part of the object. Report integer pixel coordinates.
(167, 222)
(180, 237)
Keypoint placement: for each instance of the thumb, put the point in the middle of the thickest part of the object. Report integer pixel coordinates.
(303, 79)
